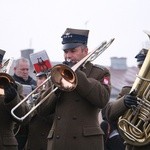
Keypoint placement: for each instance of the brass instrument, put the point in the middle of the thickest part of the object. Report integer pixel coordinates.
(62, 77)
(133, 126)
(147, 32)
(7, 65)
(5, 78)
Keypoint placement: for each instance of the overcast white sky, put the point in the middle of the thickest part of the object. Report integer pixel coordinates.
(39, 24)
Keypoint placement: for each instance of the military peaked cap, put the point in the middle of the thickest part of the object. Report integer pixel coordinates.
(141, 56)
(73, 38)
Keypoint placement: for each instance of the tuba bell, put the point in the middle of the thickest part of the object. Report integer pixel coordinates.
(133, 126)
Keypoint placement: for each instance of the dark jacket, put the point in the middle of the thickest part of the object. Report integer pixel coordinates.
(30, 80)
(23, 132)
(115, 109)
(76, 125)
(112, 138)
(39, 128)
(7, 122)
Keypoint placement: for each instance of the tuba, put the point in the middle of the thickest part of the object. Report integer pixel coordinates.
(133, 125)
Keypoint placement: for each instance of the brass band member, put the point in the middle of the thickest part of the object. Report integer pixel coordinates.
(125, 101)
(39, 126)
(10, 96)
(76, 125)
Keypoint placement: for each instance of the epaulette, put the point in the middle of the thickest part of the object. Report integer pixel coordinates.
(125, 90)
(126, 86)
(100, 66)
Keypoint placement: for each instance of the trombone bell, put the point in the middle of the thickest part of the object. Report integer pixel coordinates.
(64, 77)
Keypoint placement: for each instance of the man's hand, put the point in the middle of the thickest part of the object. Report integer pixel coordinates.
(10, 93)
(130, 100)
(70, 64)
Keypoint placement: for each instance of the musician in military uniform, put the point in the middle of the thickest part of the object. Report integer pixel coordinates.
(76, 125)
(125, 101)
(10, 95)
(39, 126)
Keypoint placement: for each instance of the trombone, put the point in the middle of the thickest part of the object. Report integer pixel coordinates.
(63, 78)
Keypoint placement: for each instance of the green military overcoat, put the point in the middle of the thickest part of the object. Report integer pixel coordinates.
(76, 125)
(115, 109)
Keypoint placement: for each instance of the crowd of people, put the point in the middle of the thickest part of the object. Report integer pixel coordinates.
(69, 118)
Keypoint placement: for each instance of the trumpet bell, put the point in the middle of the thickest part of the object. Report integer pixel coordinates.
(64, 77)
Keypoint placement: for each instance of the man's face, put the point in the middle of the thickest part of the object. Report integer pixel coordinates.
(40, 80)
(22, 70)
(76, 54)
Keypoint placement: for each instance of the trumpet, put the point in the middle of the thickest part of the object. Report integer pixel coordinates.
(62, 77)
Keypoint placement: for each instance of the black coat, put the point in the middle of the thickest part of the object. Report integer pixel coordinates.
(39, 128)
(23, 132)
(29, 81)
(7, 122)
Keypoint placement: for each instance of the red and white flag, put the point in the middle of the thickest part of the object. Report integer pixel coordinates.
(40, 61)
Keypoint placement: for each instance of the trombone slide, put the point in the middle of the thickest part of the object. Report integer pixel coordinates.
(62, 77)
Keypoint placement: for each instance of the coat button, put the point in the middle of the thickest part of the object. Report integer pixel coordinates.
(77, 100)
(42, 133)
(58, 117)
(74, 118)
(57, 136)
(74, 137)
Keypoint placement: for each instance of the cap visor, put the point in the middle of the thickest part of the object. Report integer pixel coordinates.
(40, 74)
(71, 45)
